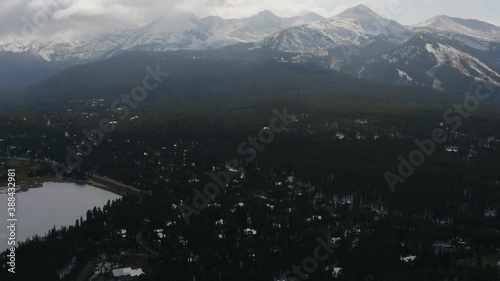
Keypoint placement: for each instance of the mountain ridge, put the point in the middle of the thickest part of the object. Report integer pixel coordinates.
(439, 53)
(182, 31)
(356, 26)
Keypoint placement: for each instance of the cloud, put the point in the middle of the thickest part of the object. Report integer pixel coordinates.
(77, 17)
(244, 8)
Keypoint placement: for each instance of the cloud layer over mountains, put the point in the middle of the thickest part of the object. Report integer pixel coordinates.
(67, 18)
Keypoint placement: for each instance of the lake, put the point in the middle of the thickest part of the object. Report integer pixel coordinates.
(53, 204)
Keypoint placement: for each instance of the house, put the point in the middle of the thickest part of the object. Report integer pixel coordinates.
(314, 218)
(183, 241)
(122, 272)
(193, 258)
(490, 213)
(408, 258)
(123, 233)
(337, 271)
(160, 234)
(250, 232)
(443, 247)
(335, 240)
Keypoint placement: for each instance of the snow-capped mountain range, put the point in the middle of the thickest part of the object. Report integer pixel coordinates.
(457, 28)
(179, 32)
(445, 53)
(442, 52)
(59, 49)
(187, 32)
(357, 26)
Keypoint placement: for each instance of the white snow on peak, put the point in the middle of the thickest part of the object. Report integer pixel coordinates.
(357, 26)
(189, 32)
(87, 47)
(460, 27)
(360, 12)
(183, 31)
(177, 31)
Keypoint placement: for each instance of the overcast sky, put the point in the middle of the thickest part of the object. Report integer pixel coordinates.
(69, 17)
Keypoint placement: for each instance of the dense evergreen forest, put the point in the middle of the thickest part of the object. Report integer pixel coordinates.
(320, 178)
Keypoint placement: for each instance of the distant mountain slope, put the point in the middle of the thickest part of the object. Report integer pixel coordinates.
(219, 84)
(187, 32)
(182, 32)
(358, 26)
(175, 32)
(474, 33)
(87, 48)
(430, 62)
(444, 53)
(20, 69)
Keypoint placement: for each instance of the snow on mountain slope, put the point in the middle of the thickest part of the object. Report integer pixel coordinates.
(446, 53)
(358, 26)
(181, 31)
(184, 31)
(25, 47)
(473, 33)
(58, 49)
(191, 33)
(466, 64)
(255, 28)
(425, 61)
(404, 78)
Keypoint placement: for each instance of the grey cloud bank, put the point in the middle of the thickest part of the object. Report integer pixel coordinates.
(68, 18)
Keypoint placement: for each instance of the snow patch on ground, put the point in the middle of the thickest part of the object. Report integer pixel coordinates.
(461, 61)
(404, 78)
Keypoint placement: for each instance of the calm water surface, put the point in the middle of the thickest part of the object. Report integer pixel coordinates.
(54, 204)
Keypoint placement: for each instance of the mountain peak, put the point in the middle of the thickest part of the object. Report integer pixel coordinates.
(467, 27)
(266, 13)
(265, 19)
(469, 23)
(359, 11)
(435, 20)
(360, 7)
(441, 17)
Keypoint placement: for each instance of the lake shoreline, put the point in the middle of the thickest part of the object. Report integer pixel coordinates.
(25, 182)
(113, 186)
(55, 204)
(99, 183)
